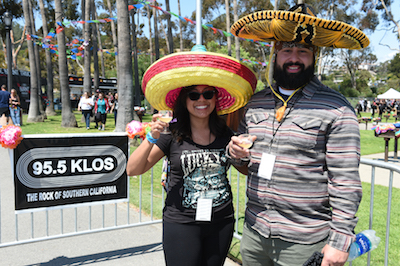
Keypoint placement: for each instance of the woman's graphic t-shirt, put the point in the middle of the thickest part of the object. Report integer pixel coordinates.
(196, 171)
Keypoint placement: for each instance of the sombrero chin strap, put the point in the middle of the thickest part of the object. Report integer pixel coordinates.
(281, 111)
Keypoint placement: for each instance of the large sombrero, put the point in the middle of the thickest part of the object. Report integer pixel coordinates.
(165, 78)
(299, 24)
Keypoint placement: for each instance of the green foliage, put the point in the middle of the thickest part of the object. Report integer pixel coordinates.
(394, 66)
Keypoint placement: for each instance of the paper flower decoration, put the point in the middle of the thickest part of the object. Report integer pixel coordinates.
(10, 136)
(381, 129)
(136, 128)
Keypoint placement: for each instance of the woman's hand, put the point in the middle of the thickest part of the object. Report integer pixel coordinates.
(157, 126)
(236, 151)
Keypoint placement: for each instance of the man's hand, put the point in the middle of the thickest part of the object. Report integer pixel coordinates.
(333, 256)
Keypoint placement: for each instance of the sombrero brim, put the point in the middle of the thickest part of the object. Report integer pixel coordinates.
(234, 81)
(287, 26)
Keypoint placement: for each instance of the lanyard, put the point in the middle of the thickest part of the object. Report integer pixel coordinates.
(281, 111)
(273, 122)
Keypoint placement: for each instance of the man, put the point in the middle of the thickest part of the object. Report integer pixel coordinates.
(303, 183)
(4, 103)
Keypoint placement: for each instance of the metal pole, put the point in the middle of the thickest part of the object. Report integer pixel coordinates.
(198, 23)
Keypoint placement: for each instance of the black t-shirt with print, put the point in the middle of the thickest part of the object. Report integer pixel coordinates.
(196, 171)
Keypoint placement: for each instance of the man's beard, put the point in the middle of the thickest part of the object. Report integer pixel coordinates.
(292, 81)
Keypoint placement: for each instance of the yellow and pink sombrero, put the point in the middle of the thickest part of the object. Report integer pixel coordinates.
(165, 78)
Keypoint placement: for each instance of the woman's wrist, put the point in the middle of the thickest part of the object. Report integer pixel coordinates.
(150, 138)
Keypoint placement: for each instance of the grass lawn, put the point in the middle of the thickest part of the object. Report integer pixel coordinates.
(369, 145)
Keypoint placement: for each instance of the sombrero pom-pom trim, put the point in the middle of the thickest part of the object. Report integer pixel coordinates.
(10, 136)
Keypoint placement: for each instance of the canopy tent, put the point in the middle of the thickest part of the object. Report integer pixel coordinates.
(390, 94)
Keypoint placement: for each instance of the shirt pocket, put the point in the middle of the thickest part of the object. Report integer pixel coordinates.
(256, 123)
(305, 132)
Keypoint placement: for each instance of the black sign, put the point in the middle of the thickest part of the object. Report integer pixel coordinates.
(61, 169)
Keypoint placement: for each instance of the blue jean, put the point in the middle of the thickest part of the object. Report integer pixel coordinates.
(86, 114)
(14, 112)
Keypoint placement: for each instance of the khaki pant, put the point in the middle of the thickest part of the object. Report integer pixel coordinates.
(257, 250)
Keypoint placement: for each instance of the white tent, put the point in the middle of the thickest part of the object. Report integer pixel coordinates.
(390, 94)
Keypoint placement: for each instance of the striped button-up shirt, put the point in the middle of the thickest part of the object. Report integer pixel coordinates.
(315, 189)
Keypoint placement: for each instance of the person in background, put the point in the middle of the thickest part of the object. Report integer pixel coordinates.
(4, 103)
(303, 183)
(95, 96)
(198, 214)
(101, 109)
(15, 109)
(114, 107)
(86, 105)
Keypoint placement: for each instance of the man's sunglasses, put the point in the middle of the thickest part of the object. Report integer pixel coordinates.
(194, 95)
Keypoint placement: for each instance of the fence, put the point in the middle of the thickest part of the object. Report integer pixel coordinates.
(149, 200)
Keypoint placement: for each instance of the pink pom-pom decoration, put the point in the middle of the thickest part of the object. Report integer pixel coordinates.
(135, 128)
(10, 136)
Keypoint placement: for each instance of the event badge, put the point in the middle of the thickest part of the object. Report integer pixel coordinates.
(266, 166)
(203, 211)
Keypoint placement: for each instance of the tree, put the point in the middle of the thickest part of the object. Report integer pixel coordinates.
(125, 76)
(353, 59)
(33, 113)
(180, 28)
(96, 82)
(170, 40)
(370, 19)
(49, 64)
(67, 117)
(394, 66)
(87, 79)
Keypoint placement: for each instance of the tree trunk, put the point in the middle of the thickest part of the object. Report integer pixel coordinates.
(114, 34)
(103, 71)
(165, 34)
(156, 42)
(49, 65)
(137, 100)
(150, 34)
(125, 77)
(228, 27)
(87, 78)
(96, 82)
(170, 40)
(234, 118)
(37, 62)
(180, 27)
(33, 113)
(67, 117)
(17, 50)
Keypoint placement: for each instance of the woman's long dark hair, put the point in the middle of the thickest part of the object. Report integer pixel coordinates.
(181, 128)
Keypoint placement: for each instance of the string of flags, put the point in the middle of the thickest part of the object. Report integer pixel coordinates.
(77, 46)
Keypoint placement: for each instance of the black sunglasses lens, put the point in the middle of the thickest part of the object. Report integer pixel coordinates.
(194, 96)
(208, 95)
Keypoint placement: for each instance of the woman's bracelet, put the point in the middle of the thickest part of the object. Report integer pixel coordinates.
(150, 138)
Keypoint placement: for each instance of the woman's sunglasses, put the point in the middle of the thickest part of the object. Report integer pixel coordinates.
(194, 95)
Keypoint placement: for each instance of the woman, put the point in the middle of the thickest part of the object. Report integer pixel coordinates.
(15, 109)
(101, 108)
(85, 105)
(114, 107)
(198, 216)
